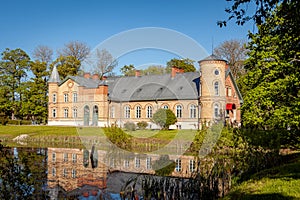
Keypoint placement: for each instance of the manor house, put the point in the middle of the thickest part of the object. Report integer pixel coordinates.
(196, 98)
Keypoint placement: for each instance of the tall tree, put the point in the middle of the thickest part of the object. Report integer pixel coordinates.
(272, 82)
(76, 49)
(186, 64)
(43, 54)
(105, 63)
(14, 66)
(154, 70)
(234, 51)
(66, 65)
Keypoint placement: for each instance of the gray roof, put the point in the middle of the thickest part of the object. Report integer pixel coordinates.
(54, 78)
(212, 57)
(85, 82)
(155, 87)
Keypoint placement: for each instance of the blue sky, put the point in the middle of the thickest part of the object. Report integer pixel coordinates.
(26, 24)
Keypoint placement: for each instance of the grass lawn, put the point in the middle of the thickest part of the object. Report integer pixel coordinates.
(282, 182)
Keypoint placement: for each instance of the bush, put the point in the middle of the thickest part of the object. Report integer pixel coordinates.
(142, 125)
(130, 126)
(117, 136)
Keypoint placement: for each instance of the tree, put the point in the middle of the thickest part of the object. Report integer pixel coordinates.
(272, 81)
(75, 49)
(234, 51)
(13, 69)
(239, 8)
(128, 70)
(154, 70)
(164, 118)
(43, 54)
(105, 62)
(66, 65)
(186, 64)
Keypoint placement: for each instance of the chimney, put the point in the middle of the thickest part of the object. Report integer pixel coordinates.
(87, 75)
(137, 73)
(226, 66)
(95, 77)
(176, 70)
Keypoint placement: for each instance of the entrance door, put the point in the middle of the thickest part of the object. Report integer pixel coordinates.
(95, 116)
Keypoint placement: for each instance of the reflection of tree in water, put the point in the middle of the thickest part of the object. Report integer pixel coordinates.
(23, 173)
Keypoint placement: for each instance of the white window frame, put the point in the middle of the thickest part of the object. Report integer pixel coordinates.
(75, 113)
(216, 110)
(65, 172)
(66, 112)
(126, 163)
(112, 112)
(73, 173)
(127, 112)
(75, 97)
(137, 162)
(148, 163)
(149, 111)
(178, 165)
(192, 165)
(54, 98)
(193, 111)
(65, 157)
(138, 112)
(179, 111)
(53, 171)
(53, 157)
(74, 157)
(66, 97)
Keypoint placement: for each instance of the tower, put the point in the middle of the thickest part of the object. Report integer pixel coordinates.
(53, 83)
(212, 96)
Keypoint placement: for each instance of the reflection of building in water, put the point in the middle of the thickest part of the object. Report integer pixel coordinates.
(66, 168)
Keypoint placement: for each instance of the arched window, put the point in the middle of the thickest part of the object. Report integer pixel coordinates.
(54, 113)
(165, 107)
(216, 88)
(66, 113)
(54, 98)
(138, 112)
(178, 111)
(193, 111)
(149, 111)
(229, 92)
(216, 111)
(127, 112)
(74, 112)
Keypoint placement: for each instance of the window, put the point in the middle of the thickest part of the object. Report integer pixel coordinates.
(192, 166)
(178, 165)
(65, 172)
(216, 87)
(66, 113)
(75, 113)
(74, 97)
(127, 112)
(229, 92)
(148, 163)
(73, 173)
(66, 98)
(65, 157)
(53, 157)
(126, 163)
(149, 111)
(112, 163)
(54, 98)
(216, 110)
(165, 107)
(53, 171)
(74, 158)
(193, 111)
(54, 113)
(138, 112)
(137, 163)
(178, 111)
(112, 112)
(217, 72)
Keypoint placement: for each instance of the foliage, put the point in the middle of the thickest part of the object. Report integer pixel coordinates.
(130, 126)
(118, 137)
(263, 9)
(164, 118)
(77, 50)
(272, 82)
(19, 174)
(186, 64)
(43, 54)
(142, 125)
(66, 65)
(13, 69)
(154, 70)
(163, 166)
(128, 70)
(234, 51)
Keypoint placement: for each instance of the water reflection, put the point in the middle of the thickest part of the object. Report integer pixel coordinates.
(70, 173)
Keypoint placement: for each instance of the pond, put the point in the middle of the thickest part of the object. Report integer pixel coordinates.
(94, 173)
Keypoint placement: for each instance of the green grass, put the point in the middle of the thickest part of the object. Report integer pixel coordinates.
(282, 182)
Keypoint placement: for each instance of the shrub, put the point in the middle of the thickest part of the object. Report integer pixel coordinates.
(130, 126)
(164, 118)
(142, 125)
(117, 136)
